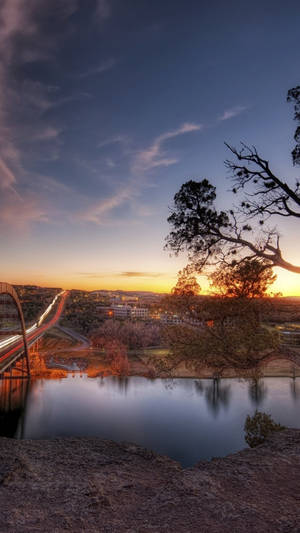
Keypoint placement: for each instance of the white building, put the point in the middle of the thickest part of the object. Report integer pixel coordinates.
(141, 313)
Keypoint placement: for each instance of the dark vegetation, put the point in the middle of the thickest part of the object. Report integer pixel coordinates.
(134, 335)
(213, 237)
(81, 313)
(116, 337)
(294, 97)
(258, 427)
(34, 300)
(224, 330)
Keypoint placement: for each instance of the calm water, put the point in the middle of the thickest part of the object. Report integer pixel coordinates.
(186, 419)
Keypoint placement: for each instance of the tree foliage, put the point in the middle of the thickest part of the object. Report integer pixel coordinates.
(133, 335)
(116, 355)
(294, 97)
(187, 284)
(216, 236)
(223, 331)
(184, 296)
(249, 279)
(230, 337)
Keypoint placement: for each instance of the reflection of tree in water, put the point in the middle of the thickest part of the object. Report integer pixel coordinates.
(13, 395)
(169, 383)
(114, 382)
(123, 384)
(217, 394)
(295, 387)
(257, 391)
(199, 387)
(101, 381)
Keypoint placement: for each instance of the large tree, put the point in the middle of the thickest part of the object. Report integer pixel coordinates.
(249, 279)
(213, 236)
(222, 331)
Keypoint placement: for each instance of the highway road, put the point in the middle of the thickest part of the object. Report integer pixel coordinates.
(10, 353)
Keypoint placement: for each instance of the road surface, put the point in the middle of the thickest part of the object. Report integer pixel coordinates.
(9, 354)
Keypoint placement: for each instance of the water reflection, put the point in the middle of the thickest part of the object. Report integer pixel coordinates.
(13, 396)
(216, 393)
(186, 419)
(123, 384)
(257, 391)
(295, 389)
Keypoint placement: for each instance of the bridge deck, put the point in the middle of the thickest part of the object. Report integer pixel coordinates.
(13, 352)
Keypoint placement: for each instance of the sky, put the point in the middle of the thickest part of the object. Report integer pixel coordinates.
(108, 106)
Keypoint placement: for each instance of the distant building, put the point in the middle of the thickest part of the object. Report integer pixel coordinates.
(130, 299)
(168, 319)
(141, 313)
(121, 311)
(115, 311)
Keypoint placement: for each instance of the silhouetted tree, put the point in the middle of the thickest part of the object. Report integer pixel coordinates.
(294, 96)
(184, 296)
(186, 285)
(212, 236)
(249, 279)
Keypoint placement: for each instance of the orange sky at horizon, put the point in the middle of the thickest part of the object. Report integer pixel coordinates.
(287, 283)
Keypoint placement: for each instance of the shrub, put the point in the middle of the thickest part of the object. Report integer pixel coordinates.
(258, 427)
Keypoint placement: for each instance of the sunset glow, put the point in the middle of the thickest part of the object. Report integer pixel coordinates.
(102, 122)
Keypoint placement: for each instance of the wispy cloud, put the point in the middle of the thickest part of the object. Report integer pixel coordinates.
(103, 9)
(128, 274)
(122, 139)
(142, 161)
(47, 134)
(138, 274)
(98, 212)
(18, 213)
(15, 19)
(99, 69)
(232, 112)
(7, 178)
(110, 162)
(155, 156)
(23, 106)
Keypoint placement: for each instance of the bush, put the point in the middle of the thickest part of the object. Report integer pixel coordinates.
(258, 427)
(134, 335)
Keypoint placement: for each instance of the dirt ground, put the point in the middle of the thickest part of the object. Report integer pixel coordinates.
(91, 485)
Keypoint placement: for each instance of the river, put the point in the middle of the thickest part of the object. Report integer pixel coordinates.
(186, 419)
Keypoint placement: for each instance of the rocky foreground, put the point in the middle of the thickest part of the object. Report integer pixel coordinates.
(96, 485)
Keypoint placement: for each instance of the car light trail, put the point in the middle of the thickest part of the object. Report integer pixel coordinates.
(38, 323)
(14, 338)
(38, 331)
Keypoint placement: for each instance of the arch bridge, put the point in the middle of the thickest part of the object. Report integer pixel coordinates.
(14, 337)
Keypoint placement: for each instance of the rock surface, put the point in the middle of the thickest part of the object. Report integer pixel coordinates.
(100, 486)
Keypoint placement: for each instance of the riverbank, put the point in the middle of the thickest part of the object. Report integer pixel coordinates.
(101, 486)
(59, 351)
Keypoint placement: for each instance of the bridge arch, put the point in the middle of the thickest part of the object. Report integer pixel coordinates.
(6, 288)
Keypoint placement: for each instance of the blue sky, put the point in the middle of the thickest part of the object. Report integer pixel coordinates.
(107, 107)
